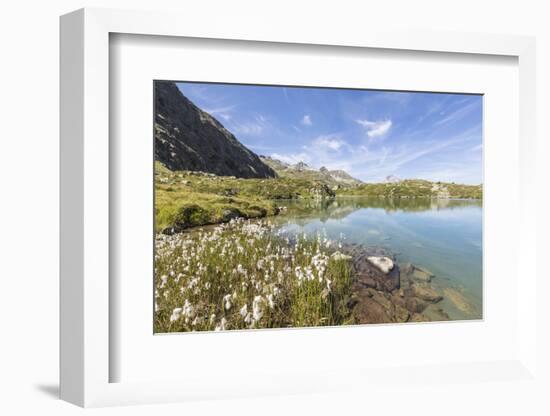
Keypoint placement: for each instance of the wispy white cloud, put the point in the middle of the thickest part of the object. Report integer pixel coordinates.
(428, 132)
(323, 150)
(372, 162)
(375, 164)
(292, 158)
(248, 128)
(330, 142)
(260, 148)
(434, 109)
(306, 120)
(285, 92)
(457, 114)
(476, 148)
(221, 112)
(254, 126)
(388, 97)
(375, 128)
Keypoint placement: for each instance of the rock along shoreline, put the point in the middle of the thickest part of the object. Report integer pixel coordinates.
(384, 292)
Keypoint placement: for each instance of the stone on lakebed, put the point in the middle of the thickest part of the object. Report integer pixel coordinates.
(421, 274)
(417, 273)
(384, 264)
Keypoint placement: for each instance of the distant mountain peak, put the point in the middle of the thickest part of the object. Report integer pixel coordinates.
(342, 176)
(392, 179)
(301, 165)
(334, 178)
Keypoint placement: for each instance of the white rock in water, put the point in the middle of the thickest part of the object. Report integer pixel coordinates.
(385, 264)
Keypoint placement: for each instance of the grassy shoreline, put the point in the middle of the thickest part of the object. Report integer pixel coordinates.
(186, 199)
(416, 188)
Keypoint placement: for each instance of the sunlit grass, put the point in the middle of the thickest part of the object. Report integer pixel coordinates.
(188, 199)
(415, 188)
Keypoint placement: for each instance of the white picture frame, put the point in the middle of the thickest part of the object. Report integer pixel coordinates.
(85, 211)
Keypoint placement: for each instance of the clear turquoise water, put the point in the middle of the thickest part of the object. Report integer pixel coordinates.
(444, 236)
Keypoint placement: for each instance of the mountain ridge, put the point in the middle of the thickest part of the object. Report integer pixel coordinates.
(335, 178)
(188, 138)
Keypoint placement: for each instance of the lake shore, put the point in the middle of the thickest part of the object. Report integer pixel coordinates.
(403, 293)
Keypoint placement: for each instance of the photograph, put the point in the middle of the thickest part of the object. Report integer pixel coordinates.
(284, 206)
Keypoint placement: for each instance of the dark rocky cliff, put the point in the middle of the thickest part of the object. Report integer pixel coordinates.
(187, 138)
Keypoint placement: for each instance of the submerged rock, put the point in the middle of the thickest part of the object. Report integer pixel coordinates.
(384, 264)
(435, 313)
(459, 300)
(427, 293)
(383, 292)
(417, 273)
(415, 305)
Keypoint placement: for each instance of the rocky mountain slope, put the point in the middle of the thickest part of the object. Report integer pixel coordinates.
(342, 177)
(300, 170)
(187, 138)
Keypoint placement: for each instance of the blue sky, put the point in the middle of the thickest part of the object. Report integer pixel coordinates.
(369, 134)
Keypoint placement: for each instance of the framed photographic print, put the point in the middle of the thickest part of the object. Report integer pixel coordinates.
(284, 206)
(271, 207)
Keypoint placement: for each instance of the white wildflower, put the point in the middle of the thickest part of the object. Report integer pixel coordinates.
(227, 302)
(258, 308)
(221, 325)
(270, 301)
(176, 313)
(188, 309)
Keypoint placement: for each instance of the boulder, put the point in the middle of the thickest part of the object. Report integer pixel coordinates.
(384, 264)
(370, 275)
(230, 213)
(369, 311)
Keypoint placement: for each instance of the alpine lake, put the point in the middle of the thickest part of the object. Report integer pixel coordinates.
(441, 236)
